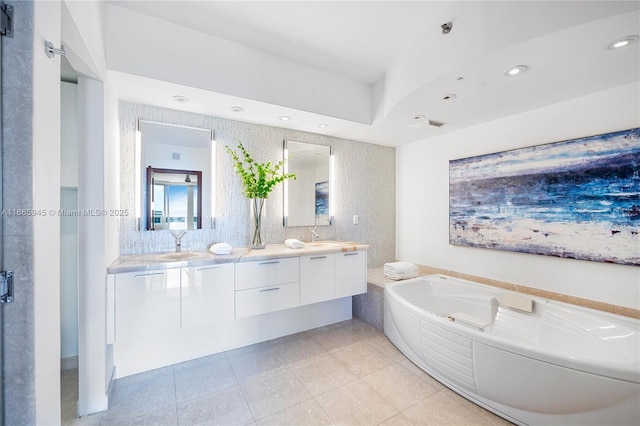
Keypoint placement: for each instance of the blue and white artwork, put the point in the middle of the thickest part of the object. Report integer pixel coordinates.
(575, 199)
(322, 203)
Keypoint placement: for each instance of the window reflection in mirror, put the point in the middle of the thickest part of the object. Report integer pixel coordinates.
(307, 197)
(170, 202)
(174, 199)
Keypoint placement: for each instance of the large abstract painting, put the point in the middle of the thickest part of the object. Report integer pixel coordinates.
(575, 199)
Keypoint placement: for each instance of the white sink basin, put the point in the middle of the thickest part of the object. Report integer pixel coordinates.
(179, 256)
(322, 244)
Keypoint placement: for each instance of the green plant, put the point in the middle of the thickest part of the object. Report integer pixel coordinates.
(258, 179)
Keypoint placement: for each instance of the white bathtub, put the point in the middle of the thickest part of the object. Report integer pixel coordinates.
(557, 365)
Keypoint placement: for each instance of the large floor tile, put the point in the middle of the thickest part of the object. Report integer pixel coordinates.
(362, 359)
(141, 398)
(443, 409)
(347, 335)
(299, 350)
(274, 392)
(410, 366)
(487, 415)
(247, 349)
(322, 374)
(165, 417)
(397, 420)
(384, 345)
(306, 413)
(143, 377)
(356, 404)
(290, 338)
(256, 363)
(398, 386)
(226, 407)
(203, 379)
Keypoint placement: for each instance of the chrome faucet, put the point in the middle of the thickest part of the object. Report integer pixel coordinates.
(178, 236)
(314, 234)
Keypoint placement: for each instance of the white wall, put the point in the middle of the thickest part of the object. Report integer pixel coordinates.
(422, 193)
(46, 229)
(134, 47)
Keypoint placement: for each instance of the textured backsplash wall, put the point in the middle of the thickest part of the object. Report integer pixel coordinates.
(365, 185)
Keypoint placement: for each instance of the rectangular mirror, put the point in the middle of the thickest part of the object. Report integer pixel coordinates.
(176, 191)
(307, 198)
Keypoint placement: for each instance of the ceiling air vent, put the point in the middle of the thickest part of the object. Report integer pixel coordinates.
(436, 123)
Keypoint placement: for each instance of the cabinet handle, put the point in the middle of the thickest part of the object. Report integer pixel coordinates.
(206, 269)
(352, 254)
(149, 275)
(270, 263)
(317, 257)
(269, 289)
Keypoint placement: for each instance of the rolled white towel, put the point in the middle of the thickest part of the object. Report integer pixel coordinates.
(293, 243)
(400, 270)
(220, 248)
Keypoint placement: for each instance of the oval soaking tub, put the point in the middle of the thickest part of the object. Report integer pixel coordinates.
(530, 360)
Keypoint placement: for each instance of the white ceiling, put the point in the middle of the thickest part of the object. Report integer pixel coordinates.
(395, 50)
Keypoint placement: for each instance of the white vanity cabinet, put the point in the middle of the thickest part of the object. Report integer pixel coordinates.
(351, 273)
(146, 304)
(207, 295)
(161, 317)
(317, 278)
(264, 286)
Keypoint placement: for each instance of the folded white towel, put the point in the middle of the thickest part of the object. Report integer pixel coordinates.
(220, 248)
(400, 270)
(293, 243)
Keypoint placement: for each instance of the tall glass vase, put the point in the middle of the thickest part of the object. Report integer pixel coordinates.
(258, 240)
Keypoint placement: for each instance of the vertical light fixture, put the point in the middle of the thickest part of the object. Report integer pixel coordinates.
(213, 179)
(137, 176)
(286, 184)
(332, 184)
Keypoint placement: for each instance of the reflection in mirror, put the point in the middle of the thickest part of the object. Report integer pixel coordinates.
(169, 153)
(174, 199)
(307, 197)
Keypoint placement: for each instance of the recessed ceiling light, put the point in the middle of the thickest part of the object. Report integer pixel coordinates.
(284, 118)
(518, 69)
(237, 109)
(449, 97)
(622, 42)
(180, 98)
(323, 125)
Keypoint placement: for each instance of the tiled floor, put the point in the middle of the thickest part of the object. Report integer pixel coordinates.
(346, 373)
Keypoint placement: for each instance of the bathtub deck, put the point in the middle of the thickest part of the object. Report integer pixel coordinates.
(369, 306)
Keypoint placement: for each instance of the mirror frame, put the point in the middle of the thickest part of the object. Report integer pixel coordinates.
(150, 171)
(286, 206)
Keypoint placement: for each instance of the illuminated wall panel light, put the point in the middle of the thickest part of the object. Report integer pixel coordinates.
(332, 186)
(213, 180)
(286, 185)
(137, 177)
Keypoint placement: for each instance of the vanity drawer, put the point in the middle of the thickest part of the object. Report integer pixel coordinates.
(258, 301)
(268, 272)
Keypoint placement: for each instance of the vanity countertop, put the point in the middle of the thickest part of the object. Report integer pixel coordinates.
(155, 261)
